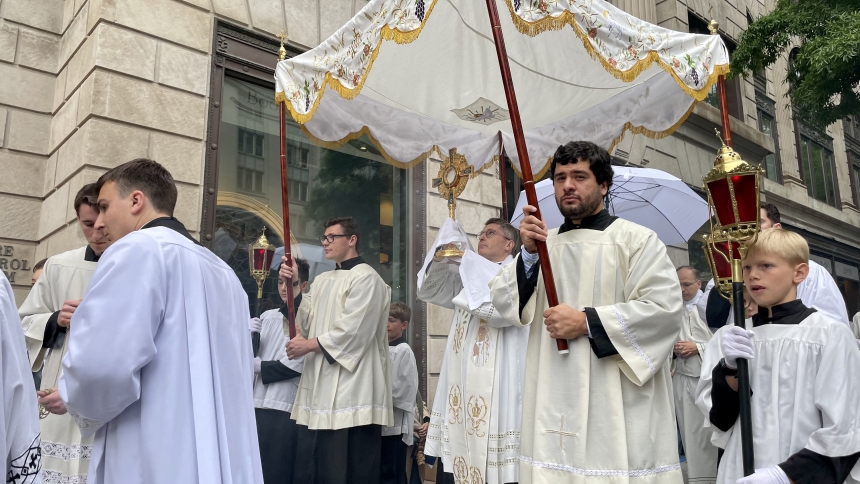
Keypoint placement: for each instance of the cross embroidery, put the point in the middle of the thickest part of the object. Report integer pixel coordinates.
(561, 434)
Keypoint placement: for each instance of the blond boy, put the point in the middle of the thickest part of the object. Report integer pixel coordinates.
(803, 368)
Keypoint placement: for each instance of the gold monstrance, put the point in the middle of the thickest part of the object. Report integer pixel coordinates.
(453, 177)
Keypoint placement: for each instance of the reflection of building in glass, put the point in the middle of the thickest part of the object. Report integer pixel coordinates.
(352, 180)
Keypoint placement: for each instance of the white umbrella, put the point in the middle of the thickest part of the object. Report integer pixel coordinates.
(649, 197)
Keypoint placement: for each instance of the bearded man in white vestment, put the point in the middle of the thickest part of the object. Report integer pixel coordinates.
(692, 341)
(344, 397)
(160, 366)
(604, 412)
(45, 316)
(475, 423)
(19, 421)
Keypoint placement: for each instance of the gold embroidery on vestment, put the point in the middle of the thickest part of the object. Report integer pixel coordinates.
(483, 346)
(477, 411)
(460, 471)
(454, 405)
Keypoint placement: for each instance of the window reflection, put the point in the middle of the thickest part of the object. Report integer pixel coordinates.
(351, 180)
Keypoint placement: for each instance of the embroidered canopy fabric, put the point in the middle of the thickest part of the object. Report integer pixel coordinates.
(419, 75)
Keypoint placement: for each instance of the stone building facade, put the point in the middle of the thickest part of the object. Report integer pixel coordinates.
(89, 84)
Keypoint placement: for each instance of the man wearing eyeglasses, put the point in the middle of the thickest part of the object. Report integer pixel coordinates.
(344, 396)
(475, 424)
(687, 366)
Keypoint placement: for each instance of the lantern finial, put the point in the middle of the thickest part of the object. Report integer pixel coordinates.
(260, 255)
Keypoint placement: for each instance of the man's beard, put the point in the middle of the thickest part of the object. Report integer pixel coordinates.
(586, 207)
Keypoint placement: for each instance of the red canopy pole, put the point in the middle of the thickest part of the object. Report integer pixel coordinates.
(724, 110)
(285, 202)
(522, 152)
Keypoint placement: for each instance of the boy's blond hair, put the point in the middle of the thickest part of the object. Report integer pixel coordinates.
(782, 243)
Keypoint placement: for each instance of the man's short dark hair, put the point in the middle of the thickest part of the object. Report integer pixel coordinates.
(349, 225)
(772, 212)
(39, 265)
(696, 274)
(599, 160)
(508, 230)
(88, 194)
(400, 310)
(304, 269)
(147, 176)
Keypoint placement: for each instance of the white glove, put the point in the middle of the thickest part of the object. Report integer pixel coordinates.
(736, 343)
(768, 475)
(255, 325)
(258, 364)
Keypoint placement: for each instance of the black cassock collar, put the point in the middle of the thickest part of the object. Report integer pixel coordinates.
(297, 301)
(90, 255)
(172, 224)
(396, 342)
(350, 263)
(786, 313)
(599, 221)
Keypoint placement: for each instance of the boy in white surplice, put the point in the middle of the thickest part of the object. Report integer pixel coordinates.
(404, 386)
(475, 424)
(803, 375)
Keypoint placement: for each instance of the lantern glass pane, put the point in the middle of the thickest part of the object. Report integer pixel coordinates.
(746, 198)
(722, 201)
(259, 259)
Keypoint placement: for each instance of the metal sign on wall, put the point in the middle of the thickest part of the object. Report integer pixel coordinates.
(847, 271)
(16, 262)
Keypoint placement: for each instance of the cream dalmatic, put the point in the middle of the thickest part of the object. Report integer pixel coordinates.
(606, 420)
(476, 418)
(348, 314)
(65, 452)
(159, 365)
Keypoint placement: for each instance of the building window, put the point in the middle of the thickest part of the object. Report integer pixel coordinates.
(299, 176)
(734, 95)
(852, 127)
(816, 164)
(854, 168)
(766, 110)
(250, 164)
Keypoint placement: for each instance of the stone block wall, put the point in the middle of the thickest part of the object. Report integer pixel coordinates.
(90, 84)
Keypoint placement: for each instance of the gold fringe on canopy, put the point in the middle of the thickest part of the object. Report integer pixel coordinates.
(567, 17)
(628, 127)
(386, 33)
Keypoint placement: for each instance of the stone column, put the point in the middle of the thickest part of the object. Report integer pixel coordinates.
(642, 9)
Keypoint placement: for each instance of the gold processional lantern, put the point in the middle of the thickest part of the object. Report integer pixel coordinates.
(734, 193)
(260, 255)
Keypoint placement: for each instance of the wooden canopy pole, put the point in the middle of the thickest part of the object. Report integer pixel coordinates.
(522, 152)
(285, 199)
(503, 177)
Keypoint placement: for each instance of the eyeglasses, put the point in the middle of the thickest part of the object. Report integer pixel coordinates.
(330, 237)
(489, 234)
(296, 283)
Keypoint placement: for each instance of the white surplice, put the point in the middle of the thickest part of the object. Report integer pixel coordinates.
(404, 387)
(159, 366)
(700, 452)
(476, 418)
(348, 314)
(65, 453)
(274, 336)
(19, 414)
(604, 420)
(800, 398)
(818, 290)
